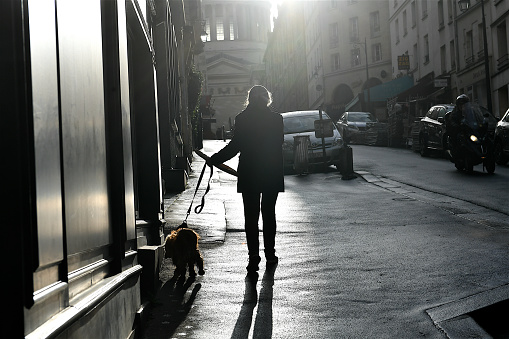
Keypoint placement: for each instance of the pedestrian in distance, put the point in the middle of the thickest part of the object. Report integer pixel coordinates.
(258, 137)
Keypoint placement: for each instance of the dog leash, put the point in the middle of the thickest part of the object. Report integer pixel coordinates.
(199, 208)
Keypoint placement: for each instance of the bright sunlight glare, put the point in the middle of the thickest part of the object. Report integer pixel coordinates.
(273, 11)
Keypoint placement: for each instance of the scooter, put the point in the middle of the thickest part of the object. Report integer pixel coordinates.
(473, 145)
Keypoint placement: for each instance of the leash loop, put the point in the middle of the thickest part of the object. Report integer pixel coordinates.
(199, 208)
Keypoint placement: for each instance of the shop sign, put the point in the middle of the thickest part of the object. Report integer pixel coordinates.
(403, 62)
(441, 82)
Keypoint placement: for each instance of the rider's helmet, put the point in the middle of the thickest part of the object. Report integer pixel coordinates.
(461, 99)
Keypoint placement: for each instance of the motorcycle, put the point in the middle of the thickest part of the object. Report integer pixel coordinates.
(474, 143)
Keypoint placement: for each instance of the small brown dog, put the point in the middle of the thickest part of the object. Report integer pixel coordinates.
(182, 247)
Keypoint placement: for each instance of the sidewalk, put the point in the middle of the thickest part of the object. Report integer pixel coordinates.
(210, 223)
(175, 299)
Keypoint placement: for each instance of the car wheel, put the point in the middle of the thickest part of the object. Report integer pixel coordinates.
(458, 165)
(423, 146)
(500, 158)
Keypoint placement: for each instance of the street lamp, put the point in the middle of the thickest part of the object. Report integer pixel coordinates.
(367, 67)
(464, 6)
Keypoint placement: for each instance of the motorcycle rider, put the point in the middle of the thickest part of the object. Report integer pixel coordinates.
(453, 121)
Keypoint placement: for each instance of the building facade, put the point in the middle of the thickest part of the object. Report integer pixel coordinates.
(447, 53)
(499, 27)
(232, 62)
(473, 75)
(95, 114)
(414, 52)
(285, 59)
(347, 51)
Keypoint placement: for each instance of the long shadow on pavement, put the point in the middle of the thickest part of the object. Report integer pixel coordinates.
(263, 322)
(170, 314)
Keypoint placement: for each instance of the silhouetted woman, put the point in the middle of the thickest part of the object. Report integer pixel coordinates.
(258, 137)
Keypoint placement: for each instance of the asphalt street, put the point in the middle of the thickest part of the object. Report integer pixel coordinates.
(361, 258)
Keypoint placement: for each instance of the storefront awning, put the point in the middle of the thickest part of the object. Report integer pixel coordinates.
(389, 89)
(421, 90)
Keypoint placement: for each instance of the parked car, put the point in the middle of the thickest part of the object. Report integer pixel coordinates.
(432, 131)
(302, 123)
(502, 140)
(432, 134)
(362, 128)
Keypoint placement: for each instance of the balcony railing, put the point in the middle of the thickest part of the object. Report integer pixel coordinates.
(503, 62)
(480, 55)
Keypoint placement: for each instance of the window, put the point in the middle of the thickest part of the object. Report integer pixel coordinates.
(502, 58)
(377, 52)
(334, 35)
(469, 51)
(396, 28)
(452, 55)
(405, 31)
(232, 31)
(219, 29)
(354, 29)
(335, 62)
(441, 112)
(416, 55)
(441, 22)
(414, 14)
(443, 59)
(374, 20)
(356, 57)
(434, 113)
(334, 3)
(426, 49)
(449, 9)
(207, 28)
(481, 40)
(424, 8)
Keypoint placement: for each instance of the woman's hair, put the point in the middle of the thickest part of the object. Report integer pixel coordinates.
(259, 95)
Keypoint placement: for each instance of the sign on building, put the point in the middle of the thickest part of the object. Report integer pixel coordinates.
(441, 82)
(403, 62)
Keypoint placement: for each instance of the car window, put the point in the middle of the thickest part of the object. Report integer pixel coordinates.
(300, 124)
(430, 112)
(434, 113)
(440, 112)
(506, 118)
(361, 117)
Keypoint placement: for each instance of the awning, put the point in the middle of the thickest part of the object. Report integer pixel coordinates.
(389, 89)
(421, 90)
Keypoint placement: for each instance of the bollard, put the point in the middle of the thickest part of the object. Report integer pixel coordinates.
(346, 166)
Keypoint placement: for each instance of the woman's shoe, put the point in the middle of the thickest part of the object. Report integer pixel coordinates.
(272, 260)
(252, 266)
